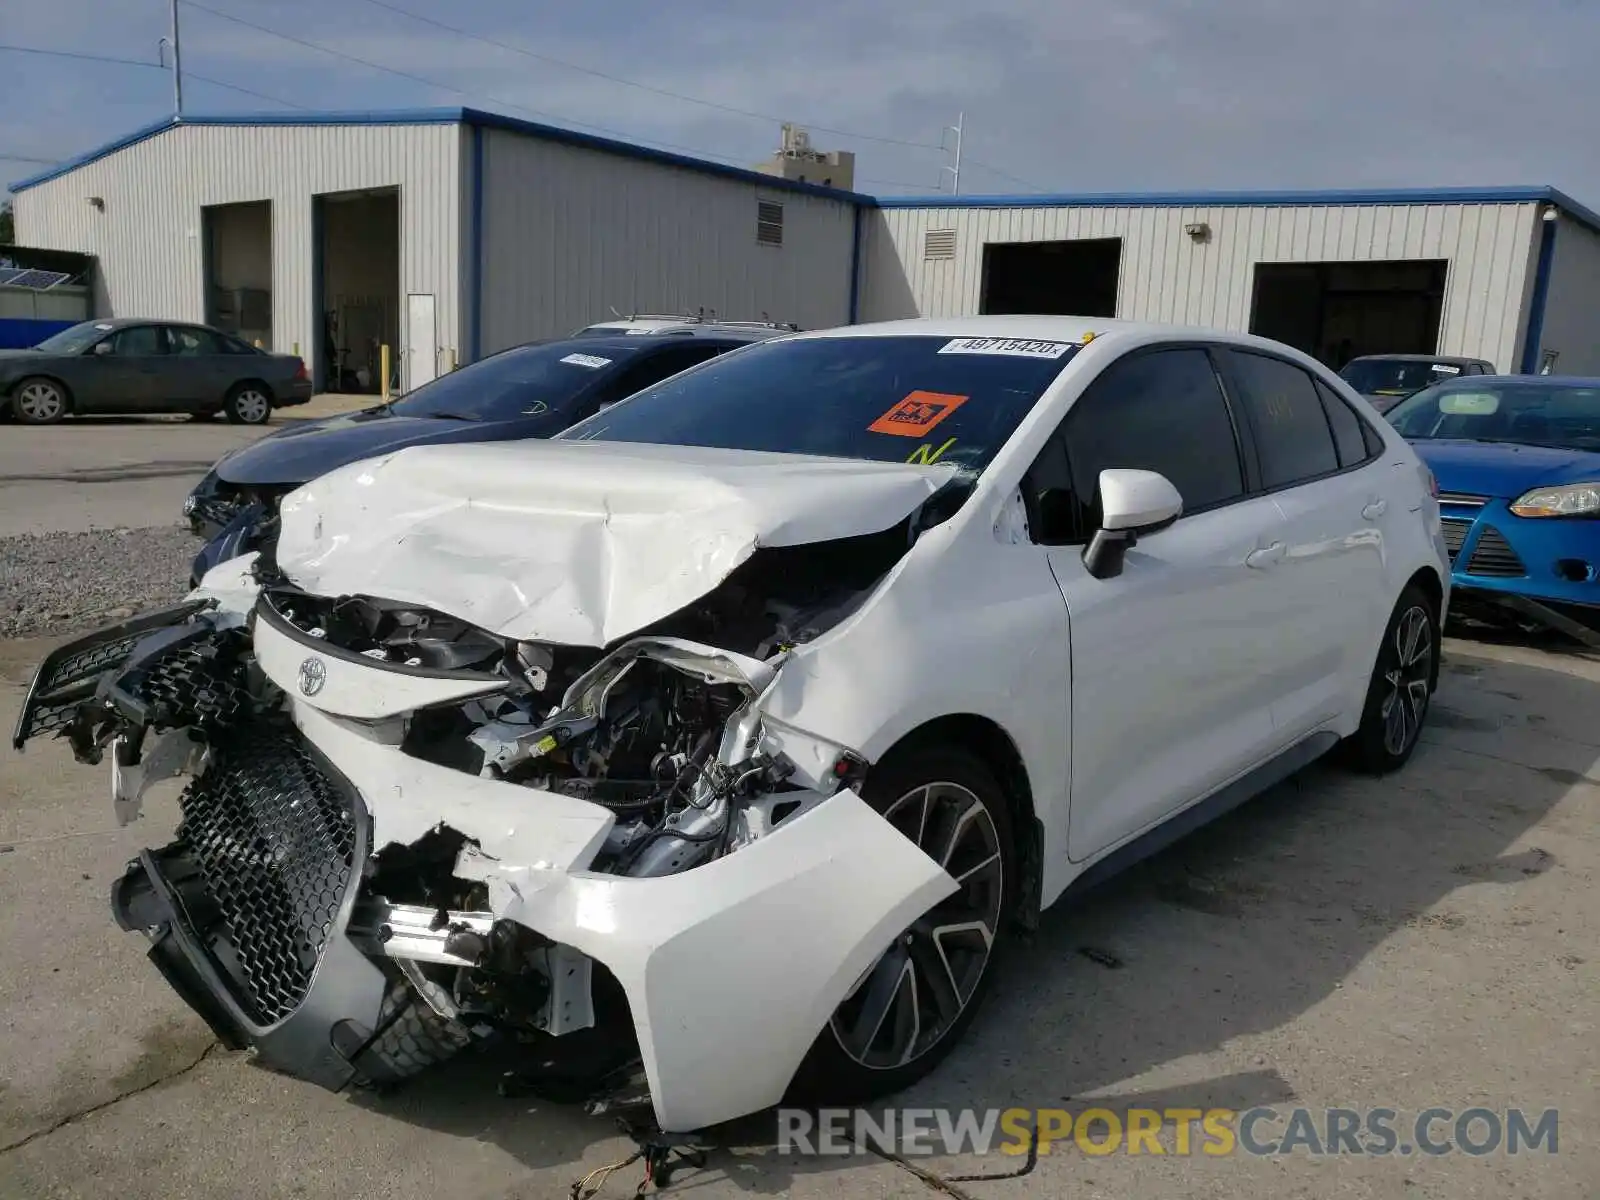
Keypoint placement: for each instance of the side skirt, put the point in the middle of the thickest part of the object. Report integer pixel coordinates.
(1221, 802)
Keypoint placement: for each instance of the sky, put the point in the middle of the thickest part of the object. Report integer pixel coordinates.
(1053, 95)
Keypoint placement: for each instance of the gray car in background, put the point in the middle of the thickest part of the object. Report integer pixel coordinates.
(1387, 379)
(130, 365)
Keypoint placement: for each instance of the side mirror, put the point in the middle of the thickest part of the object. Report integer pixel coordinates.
(103, 348)
(1133, 504)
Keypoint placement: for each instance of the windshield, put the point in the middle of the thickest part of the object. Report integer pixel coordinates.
(1530, 415)
(527, 381)
(74, 340)
(889, 399)
(1396, 377)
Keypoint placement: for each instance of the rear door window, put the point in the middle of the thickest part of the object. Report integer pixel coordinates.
(1347, 428)
(1292, 434)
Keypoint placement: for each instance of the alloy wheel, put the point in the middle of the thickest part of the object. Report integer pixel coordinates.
(1408, 676)
(252, 406)
(906, 1002)
(40, 401)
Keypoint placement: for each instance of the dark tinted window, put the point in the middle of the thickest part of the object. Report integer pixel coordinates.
(1347, 437)
(528, 381)
(138, 340)
(663, 365)
(889, 399)
(1162, 411)
(192, 343)
(1292, 434)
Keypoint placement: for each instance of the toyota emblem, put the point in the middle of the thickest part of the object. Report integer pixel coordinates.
(313, 674)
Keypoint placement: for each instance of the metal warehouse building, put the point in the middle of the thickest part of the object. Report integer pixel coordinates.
(454, 233)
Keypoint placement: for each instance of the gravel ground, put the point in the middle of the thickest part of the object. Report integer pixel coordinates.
(62, 582)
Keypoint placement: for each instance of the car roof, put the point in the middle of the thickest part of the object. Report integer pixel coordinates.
(1050, 328)
(654, 330)
(623, 345)
(1444, 358)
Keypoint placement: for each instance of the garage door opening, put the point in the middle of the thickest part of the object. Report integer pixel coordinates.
(1075, 279)
(357, 270)
(238, 269)
(1339, 311)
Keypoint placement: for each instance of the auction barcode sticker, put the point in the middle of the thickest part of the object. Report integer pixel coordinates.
(1014, 347)
(587, 360)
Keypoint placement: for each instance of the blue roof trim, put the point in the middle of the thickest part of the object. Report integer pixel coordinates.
(449, 116)
(1268, 199)
(555, 133)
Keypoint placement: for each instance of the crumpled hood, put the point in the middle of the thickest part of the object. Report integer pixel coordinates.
(1503, 469)
(573, 542)
(305, 449)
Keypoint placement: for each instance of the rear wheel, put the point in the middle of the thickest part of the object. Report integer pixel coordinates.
(1402, 685)
(248, 404)
(914, 1003)
(39, 401)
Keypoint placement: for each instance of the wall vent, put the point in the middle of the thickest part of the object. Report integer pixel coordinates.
(938, 244)
(769, 223)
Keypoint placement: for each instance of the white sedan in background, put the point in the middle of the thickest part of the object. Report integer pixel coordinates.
(734, 731)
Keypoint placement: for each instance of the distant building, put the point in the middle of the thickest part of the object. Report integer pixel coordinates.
(798, 160)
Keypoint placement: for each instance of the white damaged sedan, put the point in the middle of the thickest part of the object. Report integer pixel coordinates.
(715, 748)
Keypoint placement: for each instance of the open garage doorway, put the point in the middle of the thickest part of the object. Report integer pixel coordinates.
(357, 284)
(1074, 278)
(1337, 311)
(238, 269)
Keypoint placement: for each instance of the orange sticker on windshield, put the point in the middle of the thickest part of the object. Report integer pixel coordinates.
(916, 414)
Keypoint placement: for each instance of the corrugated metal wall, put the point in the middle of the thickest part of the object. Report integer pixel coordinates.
(1572, 307)
(571, 233)
(1167, 277)
(149, 238)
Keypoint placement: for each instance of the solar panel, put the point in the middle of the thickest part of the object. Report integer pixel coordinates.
(40, 280)
(7, 274)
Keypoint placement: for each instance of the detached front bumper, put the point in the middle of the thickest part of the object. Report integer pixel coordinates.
(258, 916)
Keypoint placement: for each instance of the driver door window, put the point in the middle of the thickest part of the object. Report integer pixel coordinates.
(1156, 411)
(128, 377)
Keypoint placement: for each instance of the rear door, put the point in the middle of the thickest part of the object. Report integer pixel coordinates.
(1167, 700)
(1326, 474)
(199, 370)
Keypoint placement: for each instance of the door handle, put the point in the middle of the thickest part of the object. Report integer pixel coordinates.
(1375, 510)
(1265, 557)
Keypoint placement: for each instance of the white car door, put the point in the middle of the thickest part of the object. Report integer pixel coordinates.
(1325, 471)
(1167, 703)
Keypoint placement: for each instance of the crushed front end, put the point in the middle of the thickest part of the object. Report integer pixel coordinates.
(403, 835)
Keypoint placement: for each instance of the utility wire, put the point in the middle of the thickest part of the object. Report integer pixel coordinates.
(446, 87)
(634, 83)
(99, 58)
(234, 87)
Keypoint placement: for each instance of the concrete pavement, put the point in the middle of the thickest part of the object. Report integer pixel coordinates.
(1424, 940)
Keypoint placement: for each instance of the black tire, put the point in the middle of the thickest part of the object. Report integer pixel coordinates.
(38, 400)
(1401, 688)
(413, 1038)
(833, 1073)
(249, 403)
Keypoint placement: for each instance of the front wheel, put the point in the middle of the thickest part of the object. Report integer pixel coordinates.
(248, 404)
(914, 1003)
(1402, 685)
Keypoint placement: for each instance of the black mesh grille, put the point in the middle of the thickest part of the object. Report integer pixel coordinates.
(1455, 532)
(1493, 556)
(194, 684)
(274, 839)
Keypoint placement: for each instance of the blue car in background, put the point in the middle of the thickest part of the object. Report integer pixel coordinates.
(530, 391)
(1517, 459)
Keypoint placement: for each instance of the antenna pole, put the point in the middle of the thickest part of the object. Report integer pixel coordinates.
(177, 65)
(955, 171)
